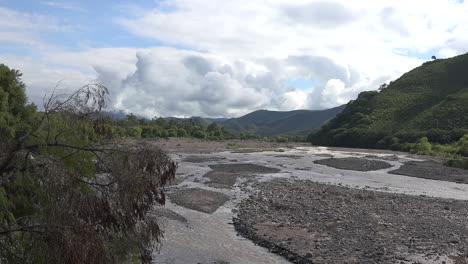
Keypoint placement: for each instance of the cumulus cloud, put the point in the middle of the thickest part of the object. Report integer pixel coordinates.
(167, 81)
(239, 55)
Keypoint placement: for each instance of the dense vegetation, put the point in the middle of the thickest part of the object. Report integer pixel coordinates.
(69, 192)
(195, 127)
(426, 106)
(272, 123)
(132, 126)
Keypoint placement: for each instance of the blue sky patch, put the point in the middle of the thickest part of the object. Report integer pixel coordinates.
(302, 84)
(89, 23)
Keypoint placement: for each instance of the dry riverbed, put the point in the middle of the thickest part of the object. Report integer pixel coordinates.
(295, 203)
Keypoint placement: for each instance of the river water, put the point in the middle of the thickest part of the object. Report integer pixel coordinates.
(211, 238)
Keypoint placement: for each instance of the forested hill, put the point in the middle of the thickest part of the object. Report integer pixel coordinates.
(431, 100)
(270, 123)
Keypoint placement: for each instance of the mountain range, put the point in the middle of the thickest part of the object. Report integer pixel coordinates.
(271, 123)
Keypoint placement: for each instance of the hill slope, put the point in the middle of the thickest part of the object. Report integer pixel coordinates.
(431, 100)
(270, 123)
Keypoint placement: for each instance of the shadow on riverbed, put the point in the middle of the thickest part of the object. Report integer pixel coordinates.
(356, 164)
(432, 170)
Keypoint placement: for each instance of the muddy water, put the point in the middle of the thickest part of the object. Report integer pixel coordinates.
(210, 238)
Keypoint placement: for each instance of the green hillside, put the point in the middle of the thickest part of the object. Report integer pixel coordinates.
(431, 100)
(270, 123)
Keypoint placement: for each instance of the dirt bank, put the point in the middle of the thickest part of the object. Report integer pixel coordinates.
(309, 222)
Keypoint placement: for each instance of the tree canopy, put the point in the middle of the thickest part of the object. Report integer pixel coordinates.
(70, 192)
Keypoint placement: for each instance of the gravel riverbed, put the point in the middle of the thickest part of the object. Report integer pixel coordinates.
(309, 222)
(260, 202)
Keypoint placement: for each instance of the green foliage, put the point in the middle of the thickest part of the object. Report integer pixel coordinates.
(172, 132)
(68, 193)
(423, 147)
(181, 132)
(13, 104)
(281, 139)
(429, 101)
(134, 131)
(462, 146)
(161, 128)
(199, 134)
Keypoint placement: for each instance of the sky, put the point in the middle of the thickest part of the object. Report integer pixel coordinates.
(217, 58)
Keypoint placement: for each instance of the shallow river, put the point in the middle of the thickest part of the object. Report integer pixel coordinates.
(211, 238)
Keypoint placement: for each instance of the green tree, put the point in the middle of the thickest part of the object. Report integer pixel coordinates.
(13, 104)
(172, 132)
(462, 145)
(67, 193)
(422, 147)
(134, 131)
(181, 132)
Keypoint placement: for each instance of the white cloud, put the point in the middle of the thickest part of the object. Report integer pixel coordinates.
(168, 81)
(41, 78)
(25, 29)
(244, 52)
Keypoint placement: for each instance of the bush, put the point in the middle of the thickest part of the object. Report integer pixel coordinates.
(171, 132)
(181, 132)
(281, 139)
(199, 134)
(134, 131)
(462, 145)
(423, 147)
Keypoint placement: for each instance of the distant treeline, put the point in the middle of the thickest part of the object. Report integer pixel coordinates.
(158, 127)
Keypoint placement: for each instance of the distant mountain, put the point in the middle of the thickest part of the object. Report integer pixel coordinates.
(217, 120)
(431, 100)
(199, 121)
(270, 123)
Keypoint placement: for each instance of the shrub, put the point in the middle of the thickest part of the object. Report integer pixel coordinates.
(171, 132)
(281, 139)
(181, 132)
(462, 145)
(423, 147)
